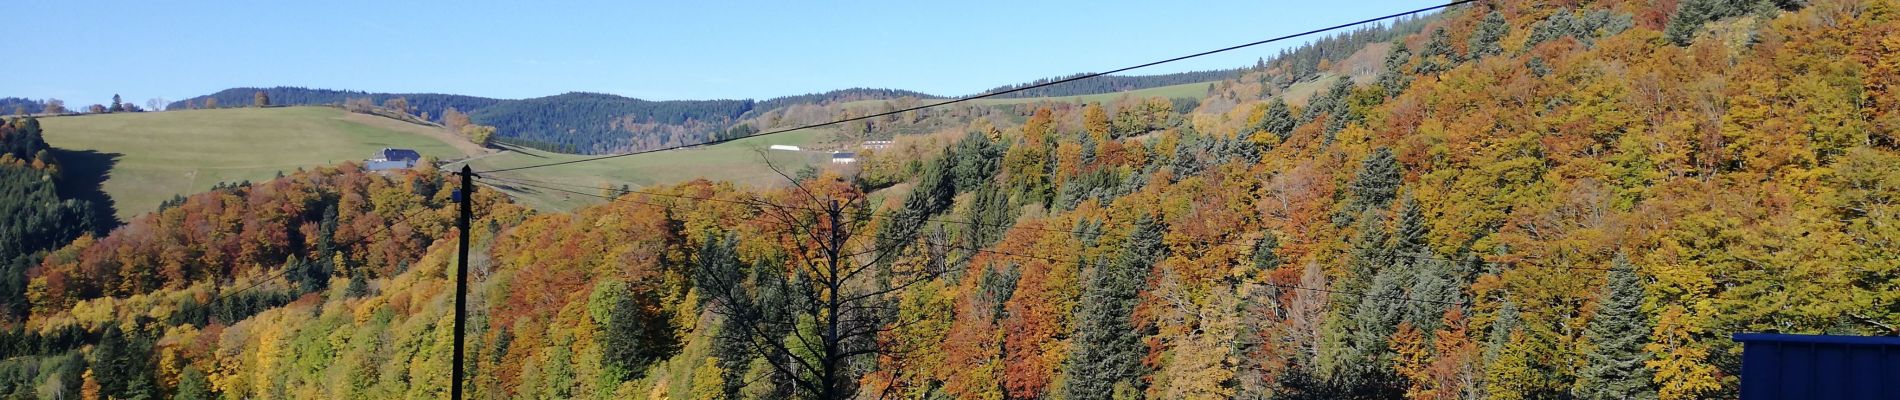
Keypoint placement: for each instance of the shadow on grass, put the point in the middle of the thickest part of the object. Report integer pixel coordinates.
(83, 177)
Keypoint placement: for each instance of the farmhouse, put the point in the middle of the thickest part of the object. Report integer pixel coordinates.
(392, 158)
(843, 157)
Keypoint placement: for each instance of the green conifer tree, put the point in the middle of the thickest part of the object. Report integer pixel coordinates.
(1278, 119)
(1374, 320)
(637, 332)
(1108, 349)
(1615, 368)
(193, 385)
(1376, 185)
(121, 363)
(1507, 319)
(1485, 38)
(1396, 77)
(1437, 56)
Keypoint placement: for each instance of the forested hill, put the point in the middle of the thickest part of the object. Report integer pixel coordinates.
(573, 122)
(597, 123)
(1529, 200)
(837, 96)
(1111, 83)
(603, 123)
(432, 103)
(35, 215)
(21, 106)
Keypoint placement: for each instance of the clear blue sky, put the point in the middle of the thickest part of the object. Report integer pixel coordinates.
(83, 52)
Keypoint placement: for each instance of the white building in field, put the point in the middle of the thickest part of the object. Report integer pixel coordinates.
(843, 157)
(783, 147)
(877, 144)
(392, 158)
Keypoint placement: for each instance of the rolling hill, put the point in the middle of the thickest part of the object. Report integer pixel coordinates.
(151, 157)
(740, 161)
(1580, 201)
(148, 158)
(599, 123)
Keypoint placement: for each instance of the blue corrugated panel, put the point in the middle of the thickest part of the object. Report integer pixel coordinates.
(1778, 366)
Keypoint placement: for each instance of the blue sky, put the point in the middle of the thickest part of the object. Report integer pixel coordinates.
(84, 52)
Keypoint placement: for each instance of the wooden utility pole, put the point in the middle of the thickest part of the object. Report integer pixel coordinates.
(461, 278)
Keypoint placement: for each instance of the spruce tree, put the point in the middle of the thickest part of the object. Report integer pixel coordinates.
(358, 287)
(192, 385)
(1332, 100)
(1376, 185)
(1266, 256)
(635, 333)
(1437, 56)
(1409, 238)
(997, 286)
(1278, 119)
(1376, 317)
(990, 215)
(1616, 335)
(1396, 77)
(1507, 320)
(1433, 290)
(1368, 254)
(977, 160)
(1689, 17)
(317, 271)
(122, 365)
(1485, 38)
(1108, 349)
(935, 192)
(717, 271)
(1693, 14)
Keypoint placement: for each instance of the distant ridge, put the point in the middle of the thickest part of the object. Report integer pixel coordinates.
(598, 123)
(1114, 83)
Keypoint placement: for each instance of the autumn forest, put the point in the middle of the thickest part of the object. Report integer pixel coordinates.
(1511, 200)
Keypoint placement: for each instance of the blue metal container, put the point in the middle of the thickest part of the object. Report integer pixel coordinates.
(1778, 366)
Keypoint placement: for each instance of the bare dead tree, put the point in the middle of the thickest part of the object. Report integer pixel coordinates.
(819, 317)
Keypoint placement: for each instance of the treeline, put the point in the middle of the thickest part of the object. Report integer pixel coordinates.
(21, 106)
(576, 122)
(431, 103)
(1111, 83)
(34, 216)
(595, 123)
(837, 96)
(332, 221)
(1303, 62)
(210, 262)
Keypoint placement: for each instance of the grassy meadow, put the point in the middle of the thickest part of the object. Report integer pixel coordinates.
(156, 155)
(740, 161)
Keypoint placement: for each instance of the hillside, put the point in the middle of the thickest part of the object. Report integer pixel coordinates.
(743, 162)
(1524, 201)
(155, 156)
(597, 123)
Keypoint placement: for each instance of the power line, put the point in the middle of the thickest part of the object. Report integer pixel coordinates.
(1000, 92)
(1077, 257)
